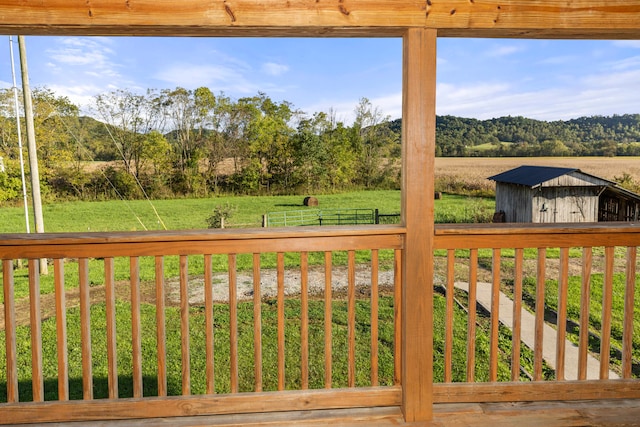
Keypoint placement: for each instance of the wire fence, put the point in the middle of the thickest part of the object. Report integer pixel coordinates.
(308, 217)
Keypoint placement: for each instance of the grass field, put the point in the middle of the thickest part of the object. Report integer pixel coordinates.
(595, 308)
(177, 214)
(245, 348)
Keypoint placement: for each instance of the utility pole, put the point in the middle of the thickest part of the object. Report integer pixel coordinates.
(31, 145)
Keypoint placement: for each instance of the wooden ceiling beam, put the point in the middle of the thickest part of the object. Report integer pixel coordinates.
(589, 19)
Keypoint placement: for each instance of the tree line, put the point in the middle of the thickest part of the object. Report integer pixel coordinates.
(180, 142)
(617, 135)
(192, 143)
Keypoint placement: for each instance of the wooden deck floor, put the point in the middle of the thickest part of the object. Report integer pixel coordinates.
(523, 414)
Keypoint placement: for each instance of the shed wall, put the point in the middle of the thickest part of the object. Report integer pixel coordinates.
(565, 204)
(515, 201)
(575, 179)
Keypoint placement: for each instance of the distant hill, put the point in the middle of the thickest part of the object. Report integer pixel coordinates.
(97, 139)
(617, 135)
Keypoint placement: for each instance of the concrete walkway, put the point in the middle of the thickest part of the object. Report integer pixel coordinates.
(528, 334)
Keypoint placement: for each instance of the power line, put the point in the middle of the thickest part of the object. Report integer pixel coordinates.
(19, 132)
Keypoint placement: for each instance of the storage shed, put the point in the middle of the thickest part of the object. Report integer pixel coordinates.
(542, 194)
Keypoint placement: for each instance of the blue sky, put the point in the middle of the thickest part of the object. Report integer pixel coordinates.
(480, 78)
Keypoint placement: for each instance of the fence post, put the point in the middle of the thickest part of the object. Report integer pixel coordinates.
(265, 223)
(418, 152)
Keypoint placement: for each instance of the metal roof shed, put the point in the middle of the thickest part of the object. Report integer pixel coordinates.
(543, 194)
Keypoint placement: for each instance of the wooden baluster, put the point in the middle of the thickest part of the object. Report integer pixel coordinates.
(10, 330)
(517, 315)
(585, 303)
(351, 319)
(85, 329)
(304, 320)
(448, 323)
(607, 302)
(208, 322)
(161, 334)
(280, 272)
(257, 323)
(37, 378)
(495, 319)
(136, 339)
(328, 320)
(184, 325)
(471, 322)
(374, 318)
(233, 323)
(397, 317)
(61, 330)
(539, 325)
(627, 327)
(563, 283)
(112, 349)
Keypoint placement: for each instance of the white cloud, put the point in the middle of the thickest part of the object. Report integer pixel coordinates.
(560, 60)
(452, 99)
(92, 52)
(82, 95)
(216, 77)
(603, 93)
(82, 67)
(630, 63)
(344, 110)
(500, 51)
(627, 43)
(391, 105)
(273, 69)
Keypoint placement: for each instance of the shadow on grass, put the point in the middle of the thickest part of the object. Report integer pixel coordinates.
(100, 389)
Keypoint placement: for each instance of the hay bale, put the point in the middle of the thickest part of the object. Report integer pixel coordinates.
(310, 201)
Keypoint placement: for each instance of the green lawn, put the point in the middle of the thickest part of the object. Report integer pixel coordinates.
(595, 308)
(176, 214)
(245, 346)
(180, 214)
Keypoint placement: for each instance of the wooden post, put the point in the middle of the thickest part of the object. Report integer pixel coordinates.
(418, 152)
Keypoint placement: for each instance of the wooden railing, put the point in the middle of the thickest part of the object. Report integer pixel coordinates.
(567, 282)
(117, 330)
(123, 337)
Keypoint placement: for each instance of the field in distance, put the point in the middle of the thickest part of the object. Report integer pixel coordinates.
(479, 168)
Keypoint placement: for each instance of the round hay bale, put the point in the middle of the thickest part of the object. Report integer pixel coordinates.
(310, 201)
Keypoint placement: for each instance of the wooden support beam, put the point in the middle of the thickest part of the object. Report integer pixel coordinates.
(418, 155)
(458, 18)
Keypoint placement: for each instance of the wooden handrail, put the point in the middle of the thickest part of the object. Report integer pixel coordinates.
(24, 239)
(463, 236)
(188, 242)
